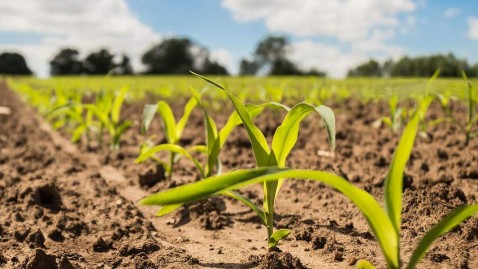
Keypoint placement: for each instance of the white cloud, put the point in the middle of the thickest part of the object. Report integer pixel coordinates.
(452, 12)
(225, 58)
(345, 20)
(87, 26)
(336, 61)
(362, 29)
(473, 28)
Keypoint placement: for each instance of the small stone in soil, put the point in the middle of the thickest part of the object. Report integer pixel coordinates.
(55, 235)
(100, 245)
(36, 239)
(42, 260)
(65, 263)
(21, 235)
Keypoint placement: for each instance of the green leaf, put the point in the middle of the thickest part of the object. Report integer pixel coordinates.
(277, 236)
(208, 80)
(248, 203)
(364, 264)
(258, 141)
(393, 186)
(98, 113)
(234, 119)
(286, 134)
(148, 115)
(77, 133)
(171, 148)
(169, 122)
(449, 222)
(378, 220)
(167, 209)
(190, 105)
(397, 120)
(117, 103)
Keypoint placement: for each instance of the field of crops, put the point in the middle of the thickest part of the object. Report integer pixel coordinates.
(223, 172)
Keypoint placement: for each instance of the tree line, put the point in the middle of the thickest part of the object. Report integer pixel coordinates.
(422, 66)
(270, 57)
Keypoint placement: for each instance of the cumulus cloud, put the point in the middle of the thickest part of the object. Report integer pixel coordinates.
(86, 25)
(473, 28)
(344, 20)
(452, 12)
(335, 61)
(225, 58)
(361, 28)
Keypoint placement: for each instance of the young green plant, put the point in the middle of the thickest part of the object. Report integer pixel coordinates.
(107, 110)
(283, 142)
(215, 139)
(173, 131)
(384, 222)
(472, 114)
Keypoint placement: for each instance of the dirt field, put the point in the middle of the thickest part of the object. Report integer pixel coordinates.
(64, 206)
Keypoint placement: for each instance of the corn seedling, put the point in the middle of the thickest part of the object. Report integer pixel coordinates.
(472, 115)
(397, 115)
(107, 110)
(384, 222)
(283, 141)
(173, 131)
(215, 139)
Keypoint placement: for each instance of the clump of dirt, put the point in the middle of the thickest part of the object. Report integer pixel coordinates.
(152, 176)
(276, 259)
(41, 260)
(208, 213)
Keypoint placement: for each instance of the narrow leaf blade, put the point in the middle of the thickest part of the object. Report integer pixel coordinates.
(449, 222)
(148, 115)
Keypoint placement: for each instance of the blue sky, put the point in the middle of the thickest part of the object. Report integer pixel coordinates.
(330, 35)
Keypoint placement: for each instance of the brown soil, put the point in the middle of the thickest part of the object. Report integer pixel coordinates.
(75, 207)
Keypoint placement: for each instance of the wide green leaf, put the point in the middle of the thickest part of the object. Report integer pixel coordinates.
(168, 120)
(364, 264)
(379, 222)
(167, 209)
(277, 236)
(148, 116)
(449, 222)
(394, 180)
(286, 134)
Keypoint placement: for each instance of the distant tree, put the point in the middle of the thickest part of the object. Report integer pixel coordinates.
(423, 66)
(178, 56)
(172, 56)
(99, 62)
(283, 66)
(370, 69)
(66, 62)
(270, 56)
(271, 49)
(12, 63)
(124, 66)
(473, 71)
(314, 72)
(213, 68)
(248, 68)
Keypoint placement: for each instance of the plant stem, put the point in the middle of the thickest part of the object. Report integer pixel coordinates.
(172, 155)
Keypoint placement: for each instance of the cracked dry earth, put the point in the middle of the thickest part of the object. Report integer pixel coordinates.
(64, 206)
